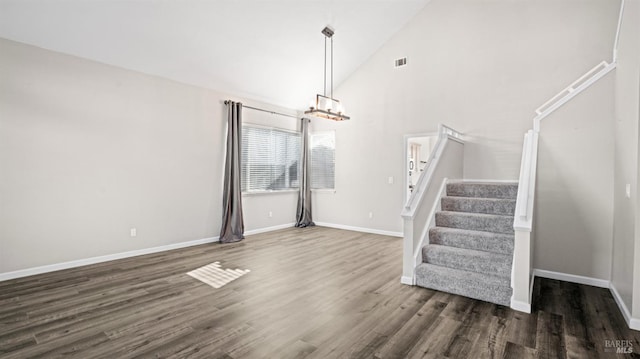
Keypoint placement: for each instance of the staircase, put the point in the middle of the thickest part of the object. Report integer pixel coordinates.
(470, 249)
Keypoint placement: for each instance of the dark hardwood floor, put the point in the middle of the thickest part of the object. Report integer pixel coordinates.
(311, 293)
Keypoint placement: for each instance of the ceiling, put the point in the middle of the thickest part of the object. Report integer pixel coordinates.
(269, 51)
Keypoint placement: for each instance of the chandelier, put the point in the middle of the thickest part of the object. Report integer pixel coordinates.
(325, 105)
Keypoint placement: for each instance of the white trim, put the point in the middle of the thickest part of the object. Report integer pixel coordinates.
(323, 190)
(457, 139)
(270, 191)
(139, 252)
(623, 308)
(615, 43)
(570, 92)
(414, 200)
(523, 219)
(94, 260)
(268, 229)
(520, 306)
(572, 278)
(407, 280)
(633, 323)
(437, 206)
(360, 229)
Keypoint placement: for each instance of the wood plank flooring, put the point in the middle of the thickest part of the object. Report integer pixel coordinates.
(311, 293)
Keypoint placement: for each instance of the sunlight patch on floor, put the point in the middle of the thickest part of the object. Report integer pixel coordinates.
(215, 276)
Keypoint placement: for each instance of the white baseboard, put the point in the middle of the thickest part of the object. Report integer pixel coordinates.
(360, 229)
(94, 260)
(406, 280)
(520, 306)
(633, 323)
(572, 278)
(623, 307)
(110, 257)
(269, 229)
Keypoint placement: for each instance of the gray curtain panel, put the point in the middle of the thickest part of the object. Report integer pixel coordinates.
(303, 213)
(232, 221)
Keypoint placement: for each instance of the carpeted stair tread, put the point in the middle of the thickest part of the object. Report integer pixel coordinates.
(483, 190)
(470, 250)
(476, 240)
(495, 264)
(469, 284)
(503, 206)
(475, 221)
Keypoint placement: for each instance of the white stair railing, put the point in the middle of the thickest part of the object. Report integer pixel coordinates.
(445, 161)
(571, 91)
(521, 279)
(423, 179)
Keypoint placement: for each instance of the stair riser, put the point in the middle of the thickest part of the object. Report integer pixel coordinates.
(475, 223)
(485, 265)
(479, 205)
(502, 244)
(482, 190)
(468, 287)
(501, 296)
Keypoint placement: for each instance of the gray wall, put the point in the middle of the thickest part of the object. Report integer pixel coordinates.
(483, 67)
(626, 234)
(88, 151)
(574, 193)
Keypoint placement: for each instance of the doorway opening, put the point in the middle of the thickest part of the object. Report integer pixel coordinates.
(418, 150)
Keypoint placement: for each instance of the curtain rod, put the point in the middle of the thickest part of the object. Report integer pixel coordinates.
(226, 102)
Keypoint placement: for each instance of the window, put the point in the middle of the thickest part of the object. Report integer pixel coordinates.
(323, 160)
(269, 159)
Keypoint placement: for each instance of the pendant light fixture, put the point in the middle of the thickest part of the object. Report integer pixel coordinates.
(325, 105)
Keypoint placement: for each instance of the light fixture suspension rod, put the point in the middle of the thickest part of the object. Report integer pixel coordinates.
(325, 68)
(331, 66)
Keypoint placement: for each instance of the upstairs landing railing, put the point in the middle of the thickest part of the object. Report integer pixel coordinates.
(571, 91)
(521, 278)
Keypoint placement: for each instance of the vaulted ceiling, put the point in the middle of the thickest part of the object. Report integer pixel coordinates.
(264, 50)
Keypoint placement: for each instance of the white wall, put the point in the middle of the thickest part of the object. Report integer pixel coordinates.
(574, 193)
(626, 236)
(88, 151)
(483, 67)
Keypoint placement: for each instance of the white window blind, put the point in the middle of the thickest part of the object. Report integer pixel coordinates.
(269, 159)
(323, 160)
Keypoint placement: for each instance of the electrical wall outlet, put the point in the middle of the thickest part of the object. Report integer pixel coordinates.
(370, 214)
(627, 190)
(270, 214)
(133, 232)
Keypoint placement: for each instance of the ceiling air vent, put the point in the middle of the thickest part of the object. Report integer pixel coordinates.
(401, 62)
